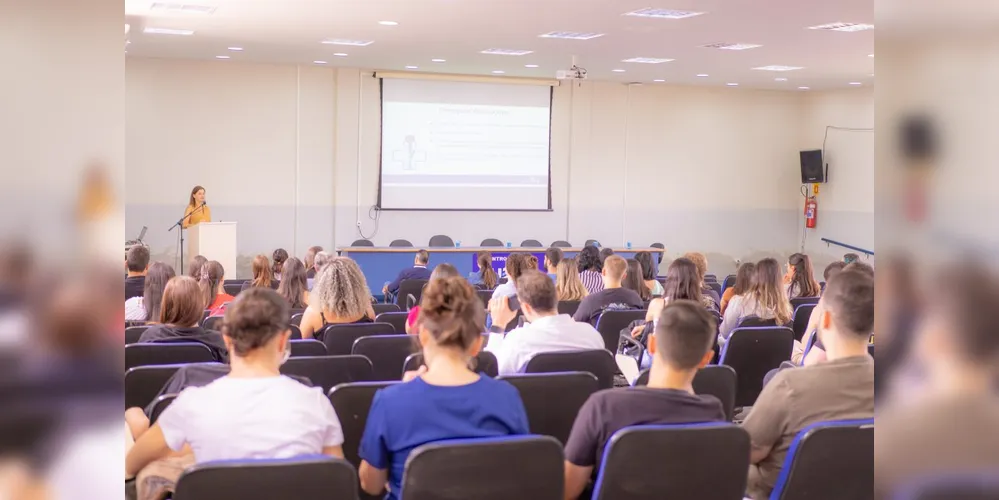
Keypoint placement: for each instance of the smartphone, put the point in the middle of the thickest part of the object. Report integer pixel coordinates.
(514, 302)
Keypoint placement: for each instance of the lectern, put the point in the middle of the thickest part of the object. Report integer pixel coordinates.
(216, 241)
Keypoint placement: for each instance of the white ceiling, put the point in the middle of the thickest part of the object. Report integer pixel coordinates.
(290, 31)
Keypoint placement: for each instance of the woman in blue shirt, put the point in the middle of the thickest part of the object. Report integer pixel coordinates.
(446, 400)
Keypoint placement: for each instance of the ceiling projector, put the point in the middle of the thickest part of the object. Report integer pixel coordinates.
(573, 73)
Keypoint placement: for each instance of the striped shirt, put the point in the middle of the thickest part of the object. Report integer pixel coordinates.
(593, 282)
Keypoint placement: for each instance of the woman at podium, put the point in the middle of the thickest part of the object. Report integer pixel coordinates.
(197, 210)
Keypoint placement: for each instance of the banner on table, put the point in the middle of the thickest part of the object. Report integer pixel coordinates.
(499, 262)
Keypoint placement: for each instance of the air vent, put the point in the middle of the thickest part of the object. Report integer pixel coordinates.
(731, 46)
(353, 43)
(663, 13)
(646, 60)
(507, 52)
(571, 35)
(843, 27)
(777, 67)
(183, 8)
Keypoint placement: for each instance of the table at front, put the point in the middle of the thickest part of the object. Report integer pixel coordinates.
(382, 264)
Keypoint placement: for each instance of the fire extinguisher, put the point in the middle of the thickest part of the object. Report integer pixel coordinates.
(811, 212)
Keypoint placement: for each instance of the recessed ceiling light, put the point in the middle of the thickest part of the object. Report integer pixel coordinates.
(388, 23)
(659, 81)
(340, 54)
(780, 79)
(842, 27)
(236, 49)
(354, 43)
(167, 31)
(702, 75)
(803, 88)
(870, 55)
(856, 83)
(498, 72)
(127, 28)
(412, 67)
(438, 60)
(507, 52)
(570, 35)
(319, 62)
(647, 60)
(530, 65)
(182, 8)
(662, 13)
(778, 67)
(618, 70)
(221, 57)
(732, 84)
(731, 46)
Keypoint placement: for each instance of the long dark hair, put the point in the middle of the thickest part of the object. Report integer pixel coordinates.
(194, 192)
(648, 268)
(683, 281)
(152, 291)
(803, 282)
(280, 255)
(633, 280)
(211, 274)
(744, 278)
(589, 259)
(486, 272)
(294, 283)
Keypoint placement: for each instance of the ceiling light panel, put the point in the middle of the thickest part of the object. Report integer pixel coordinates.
(507, 52)
(352, 43)
(843, 27)
(778, 67)
(663, 13)
(182, 8)
(167, 31)
(731, 46)
(571, 35)
(647, 60)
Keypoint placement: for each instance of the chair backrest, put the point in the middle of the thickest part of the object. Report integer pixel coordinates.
(611, 323)
(485, 363)
(296, 319)
(971, 485)
(598, 362)
(384, 308)
(548, 416)
(485, 296)
(755, 322)
(362, 243)
(150, 353)
(233, 281)
(561, 244)
(714, 286)
(568, 307)
(329, 371)
(307, 347)
(531, 244)
(711, 277)
(133, 333)
(233, 288)
(296, 332)
(143, 383)
(352, 402)
(591, 243)
(213, 323)
(339, 339)
(752, 352)
(800, 320)
(712, 466)
(486, 469)
(400, 243)
(441, 240)
(827, 461)
(803, 300)
(396, 319)
(407, 288)
(159, 405)
(304, 478)
(717, 380)
(491, 242)
(728, 282)
(387, 353)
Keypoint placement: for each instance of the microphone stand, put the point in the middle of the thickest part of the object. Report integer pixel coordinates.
(180, 234)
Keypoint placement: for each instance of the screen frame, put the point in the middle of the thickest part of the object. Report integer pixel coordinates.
(381, 121)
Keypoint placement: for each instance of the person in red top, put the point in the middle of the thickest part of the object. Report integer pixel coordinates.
(211, 281)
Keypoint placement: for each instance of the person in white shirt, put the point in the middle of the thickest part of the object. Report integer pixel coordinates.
(254, 411)
(546, 330)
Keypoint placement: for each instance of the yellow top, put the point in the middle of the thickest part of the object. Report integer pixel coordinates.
(201, 215)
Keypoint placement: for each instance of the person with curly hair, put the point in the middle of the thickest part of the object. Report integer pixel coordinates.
(340, 295)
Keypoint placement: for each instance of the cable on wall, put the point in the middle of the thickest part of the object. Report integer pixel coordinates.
(374, 212)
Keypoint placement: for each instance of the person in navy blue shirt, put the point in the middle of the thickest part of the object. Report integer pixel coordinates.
(419, 271)
(443, 399)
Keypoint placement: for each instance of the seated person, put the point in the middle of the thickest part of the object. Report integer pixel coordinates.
(516, 264)
(701, 262)
(486, 278)
(340, 296)
(743, 278)
(633, 280)
(444, 400)
(180, 318)
(552, 257)
(212, 283)
(799, 278)
(546, 330)
(310, 261)
(136, 265)
(766, 299)
(294, 287)
(146, 307)
(842, 387)
(612, 296)
(818, 353)
(419, 271)
(590, 265)
(567, 283)
(254, 411)
(262, 274)
(322, 258)
(680, 346)
(649, 269)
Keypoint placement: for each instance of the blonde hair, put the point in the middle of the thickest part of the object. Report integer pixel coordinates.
(340, 288)
(567, 283)
(700, 261)
(768, 290)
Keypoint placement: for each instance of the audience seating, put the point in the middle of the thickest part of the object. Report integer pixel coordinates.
(711, 278)
(807, 343)
(384, 308)
(362, 243)
(714, 286)
(166, 353)
(396, 319)
(611, 323)
(409, 288)
(339, 339)
(829, 461)
(706, 461)
(296, 319)
(387, 353)
(568, 307)
(547, 416)
(441, 241)
(484, 363)
(233, 288)
(531, 244)
(296, 332)
(598, 362)
(800, 320)
(400, 243)
(752, 352)
(302, 478)
(133, 333)
(352, 402)
(561, 244)
(728, 282)
(491, 242)
(307, 347)
(755, 322)
(978, 485)
(233, 282)
(803, 300)
(717, 380)
(512, 467)
(143, 383)
(213, 323)
(485, 296)
(329, 371)
(205, 316)
(159, 405)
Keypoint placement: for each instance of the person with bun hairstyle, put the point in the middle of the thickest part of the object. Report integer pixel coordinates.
(444, 399)
(280, 255)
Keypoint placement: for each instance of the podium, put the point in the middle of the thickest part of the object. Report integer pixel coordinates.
(216, 241)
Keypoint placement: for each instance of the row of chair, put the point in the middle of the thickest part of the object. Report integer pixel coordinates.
(444, 241)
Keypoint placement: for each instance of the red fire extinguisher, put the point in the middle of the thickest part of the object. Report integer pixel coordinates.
(811, 212)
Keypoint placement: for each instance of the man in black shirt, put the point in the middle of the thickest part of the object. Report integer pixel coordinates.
(612, 297)
(136, 263)
(680, 346)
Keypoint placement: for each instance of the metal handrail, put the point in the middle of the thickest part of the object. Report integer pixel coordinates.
(851, 247)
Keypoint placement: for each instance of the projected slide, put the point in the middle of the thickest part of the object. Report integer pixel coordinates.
(464, 146)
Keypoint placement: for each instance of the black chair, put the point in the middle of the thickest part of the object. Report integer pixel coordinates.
(362, 243)
(561, 244)
(166, 354)
(803, 300)
(491, 242)
(504, 468)
(409, 288)
(293, 312)
(591, 243)
(143, 383)
(233, 281)
(545, 416)
(296, 332)
(307, 347)
(384, 308)
(611, 323)
(714, 286)
(531, 244)
(400, 243)
(304, 478)
(484, 363)
(637, 466)
(982, 485)
(568, 307)
(716, 380)
(752, 352)
(396, 319)
(352, 402)
(440, 240)
(133, 333)
(339, 339)
(387, 353)
(711, 277)
(159, 405)
(213, 323)
(485, 296)
(800, 320)
(755, 322)
(728, 282)
(329, 371)
(205, 316)
(233, 288)
(829, 461)
(596, 361)
(296, 319)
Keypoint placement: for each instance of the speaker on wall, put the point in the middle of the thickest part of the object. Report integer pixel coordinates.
(811, 166)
